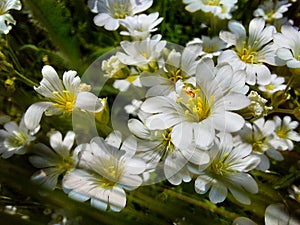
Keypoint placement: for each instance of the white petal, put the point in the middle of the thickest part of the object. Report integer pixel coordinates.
(204, 134)
(117, 199)
(218, 193)
(276, 214)
(34, 114)
(202, 184)
(243, 221)
(88, 101)
(240, 195)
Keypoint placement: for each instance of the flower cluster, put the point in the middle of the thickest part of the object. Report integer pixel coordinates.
(212, 112)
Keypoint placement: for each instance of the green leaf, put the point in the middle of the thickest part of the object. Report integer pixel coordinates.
(54, 17)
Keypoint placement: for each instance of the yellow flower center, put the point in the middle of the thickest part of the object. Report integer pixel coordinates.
(219, 167)
(270, 87)
(175, 75)
(112, 173)
(168, 146)
(248, 55)
(121, 11)
(258, 145)
(18, 139)
(64, 101)
(282, 133)
(67, 165)
(213, 2)
(197, 106)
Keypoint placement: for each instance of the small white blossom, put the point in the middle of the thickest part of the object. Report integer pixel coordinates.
(294, 193)
(64, 96)
(107, 167)
(209, 47)
(257, 107)
(198, 111)
(145, 54)
(259, 137)
(271, 10)
(14, 139)
(177, 66)
(276, 84)
(288, 42)
(163, 157)
(134, 107)
(139, 27)
(5, 18)
(110, 12)
(227, 170)
(251, 52)
(284, 133)
(56, 161)
(219, 8)
(113, 68)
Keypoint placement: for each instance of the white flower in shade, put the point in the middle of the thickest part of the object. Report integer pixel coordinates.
(284, 133)
(64, 96)
(258, 106)
(271, 10)
(134, 107)
(162, 156)
(294, 193)
(107, 168)
(276, 84)
(5, 18)
(219, 8)
(288, 42)
(259, 137)
(209, 47)
(14, 139)
(139, 27)
(275, 214)
(113, 68)
(145, 54)
(178, 66)
(251, 52)
(198, 111)
(56, 161)
(227, 170)
(110, 12)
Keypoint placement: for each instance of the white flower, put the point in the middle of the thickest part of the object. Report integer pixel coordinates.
(14, 139)
(5, 18)
(114, 68)
(219, 8)
(294, 193)
(257, 107)
(134, 107)
(210, 47)
(284, 133)
(276, 84)
(110, 12)
(271, 10)
(251, 52)
(56, 161)
(259, 137)
(163, 157)
(140, 26)
(178, 66)
(64, 96)
(227, 170)
(288, 42)
(275, 214)
(143, 54)
(106, 168)
(198, 111)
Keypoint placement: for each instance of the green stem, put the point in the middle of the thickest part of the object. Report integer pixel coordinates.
(207, 206)
(287, 111)
(26, 80)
